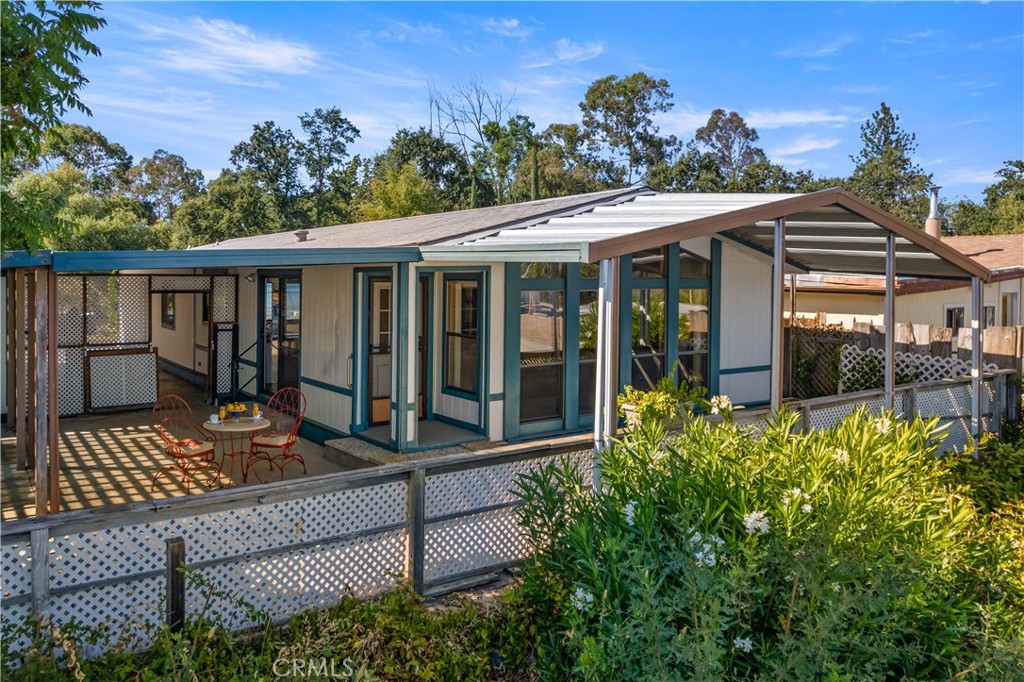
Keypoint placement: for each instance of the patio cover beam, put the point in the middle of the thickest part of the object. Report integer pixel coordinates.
(778, 277)
(41, 369)
(605, 408)
(889, 320)
(977, 356)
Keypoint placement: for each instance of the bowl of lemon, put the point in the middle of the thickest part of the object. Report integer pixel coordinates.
(236, 410)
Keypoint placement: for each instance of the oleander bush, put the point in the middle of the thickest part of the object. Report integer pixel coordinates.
(730, 554)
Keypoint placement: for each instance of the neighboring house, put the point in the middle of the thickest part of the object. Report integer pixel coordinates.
(509, 322)
(845, 299)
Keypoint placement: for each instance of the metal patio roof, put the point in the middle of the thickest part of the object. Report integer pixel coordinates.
(827, 231)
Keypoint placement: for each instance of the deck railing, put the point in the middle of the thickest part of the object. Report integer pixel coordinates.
(297, 545)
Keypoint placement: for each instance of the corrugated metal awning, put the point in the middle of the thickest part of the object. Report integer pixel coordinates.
(828, 231)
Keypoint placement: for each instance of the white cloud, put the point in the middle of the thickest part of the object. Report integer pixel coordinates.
(804, 144)
(967, 176)
(566, 52)
(862, 89)
(573, 53)
(769, 119)
(417, 33)
(815, 51)
(227, 51)
(507, 27)
(683, 120)
(911, 38)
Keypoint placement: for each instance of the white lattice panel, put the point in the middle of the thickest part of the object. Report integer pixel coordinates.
(180, 283)
(117, 380)
(225, 354)
(223, 298)
(132, 609)
(70, 381)
(69, 310)
(352, 511)
(483, 486)
(116, 309)
(473, 542)
(16, 569)
(945, 401)
(923, 368)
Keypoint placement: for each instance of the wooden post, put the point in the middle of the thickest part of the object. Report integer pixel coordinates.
(910, 404)
(12, 353)
(20, 365)
(805, 417)
(998, 401)
(40, 426)
(52, 409)
(416, 520)
(175, 583)
(889, 316)
(30, 362)
(778, 275)
(40, 540)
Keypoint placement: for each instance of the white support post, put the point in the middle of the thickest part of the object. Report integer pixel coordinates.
(889, 320)
(605, 408)
(977, 339)
(778, 275)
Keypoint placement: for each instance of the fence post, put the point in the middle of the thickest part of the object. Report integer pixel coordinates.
(998, 400)
(910, 404)
(40, 540)
(805, 418)
(175, 583)
(416, 512)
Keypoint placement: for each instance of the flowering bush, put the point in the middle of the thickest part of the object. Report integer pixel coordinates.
(725, 553)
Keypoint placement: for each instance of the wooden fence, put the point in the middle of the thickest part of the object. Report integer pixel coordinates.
(816, 349)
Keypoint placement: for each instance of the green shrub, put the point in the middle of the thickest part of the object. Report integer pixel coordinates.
(731, 554)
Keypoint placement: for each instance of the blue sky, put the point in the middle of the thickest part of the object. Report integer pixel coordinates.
(192, 78)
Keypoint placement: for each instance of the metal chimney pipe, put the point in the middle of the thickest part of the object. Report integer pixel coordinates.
(933, 225)
(301, 235)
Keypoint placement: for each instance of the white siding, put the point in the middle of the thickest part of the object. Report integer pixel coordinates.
(327, 319)
(746, 309)
(746, 388)
(175, 345)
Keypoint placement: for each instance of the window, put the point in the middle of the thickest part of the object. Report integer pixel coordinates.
(1011, 310)
(648, 338)
(542, 270)
(588, 351)
(955, 317)
(461, 337)
(649, 264)
(693, 337)
(990, 316)
(541, 355)
(206, 307)
(167, 310)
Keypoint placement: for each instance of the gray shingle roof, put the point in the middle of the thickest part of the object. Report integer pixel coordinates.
(429, 229)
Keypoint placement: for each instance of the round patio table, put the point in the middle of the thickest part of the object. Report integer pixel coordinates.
(239, 433)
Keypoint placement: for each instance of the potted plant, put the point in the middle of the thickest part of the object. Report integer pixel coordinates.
(671, 402)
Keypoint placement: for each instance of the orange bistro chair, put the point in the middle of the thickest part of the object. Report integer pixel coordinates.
(171, 405)
(285, 410)
(190, 446)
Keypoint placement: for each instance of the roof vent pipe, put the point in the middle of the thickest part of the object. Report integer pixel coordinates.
(933, 225)
(300, 235)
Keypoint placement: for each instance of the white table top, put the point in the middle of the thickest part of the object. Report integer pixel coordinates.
(243, 424)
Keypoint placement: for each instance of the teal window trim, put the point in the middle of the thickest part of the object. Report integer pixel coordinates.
(481, 322)
(571, 351)
(513, 293)
(400, 354)
(715, 319)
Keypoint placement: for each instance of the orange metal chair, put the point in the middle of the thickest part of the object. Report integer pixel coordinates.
(285, 410)
(192, 448)
(171, 405)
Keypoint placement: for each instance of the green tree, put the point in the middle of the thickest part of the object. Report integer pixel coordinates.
(273, 156)
(397, 193)
(323, 152)
(731, 143)
(236, 204)
(885, 173)
(566, 164)
(442, 163)
(619, 113)
(106, 164)
(42, 46)
(1001, 211)
(504, 147)
(163, 181)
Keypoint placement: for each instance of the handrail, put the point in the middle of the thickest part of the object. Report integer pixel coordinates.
(97, 518)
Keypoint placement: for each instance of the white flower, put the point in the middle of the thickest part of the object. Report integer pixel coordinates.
(806, 509)
(841, 456)
(756, 522)
(696, 538)
(882, 424)
(720, 403)
(581, 599)
(744, 644)
(630, 512)
(836, 587)
(794, 495)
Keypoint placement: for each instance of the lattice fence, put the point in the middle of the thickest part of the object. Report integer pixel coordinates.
(347, 534)
(815, 359)
(854, 363)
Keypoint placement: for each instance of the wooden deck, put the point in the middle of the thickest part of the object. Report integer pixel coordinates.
(112, 458)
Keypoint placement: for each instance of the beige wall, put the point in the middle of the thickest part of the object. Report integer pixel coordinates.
(176, 345)
(924, 308)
